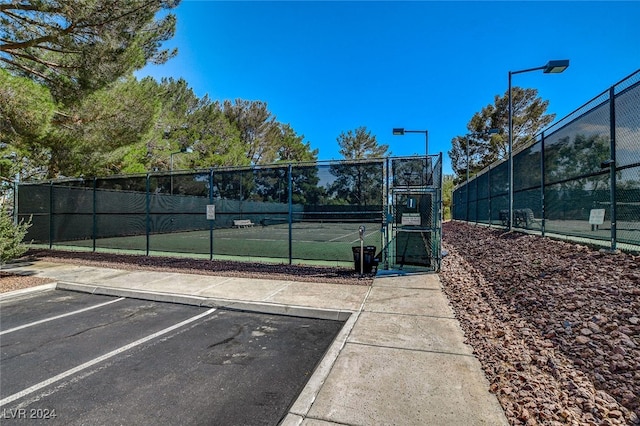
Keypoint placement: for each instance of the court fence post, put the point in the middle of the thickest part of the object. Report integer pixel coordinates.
(211, 221)
(94, 229)
(290, 201)
(148, 212)
(542, 182)
(51, 205)
(612, 166)
(489, 221)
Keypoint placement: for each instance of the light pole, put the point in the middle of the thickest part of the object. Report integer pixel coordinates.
(401, 131)
(487, 132)
(182, 151)
(552, 67)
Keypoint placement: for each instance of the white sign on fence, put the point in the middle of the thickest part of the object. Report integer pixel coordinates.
(211, 212)
(596, 217)
(411, 219)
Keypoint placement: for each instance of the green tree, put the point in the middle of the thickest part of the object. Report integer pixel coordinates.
(26, 111)
(187, 121)
(75, 47)
(97, 133)
(257, 127)
(359, 144)
(358, 184)
(447, 195)
(264, 139)
(11, 236)
(529, 118)
(216, 142)
(292, 148)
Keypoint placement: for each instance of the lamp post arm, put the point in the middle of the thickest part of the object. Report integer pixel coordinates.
(528, 70)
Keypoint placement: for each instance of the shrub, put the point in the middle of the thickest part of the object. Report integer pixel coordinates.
(11, 236)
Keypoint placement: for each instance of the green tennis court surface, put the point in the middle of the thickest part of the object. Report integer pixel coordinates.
(318, 241)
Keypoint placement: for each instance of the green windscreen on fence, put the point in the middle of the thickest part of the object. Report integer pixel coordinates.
(580, 178)
(297, 212)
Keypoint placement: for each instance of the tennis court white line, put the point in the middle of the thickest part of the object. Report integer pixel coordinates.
(342, 236)
(366, 235)
(104, 357)
(11, 330)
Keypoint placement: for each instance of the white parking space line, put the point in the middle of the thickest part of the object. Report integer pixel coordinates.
(102, 358)
(11, 330)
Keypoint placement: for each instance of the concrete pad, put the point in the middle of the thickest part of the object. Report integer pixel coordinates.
(245, 289)
(425, 281)
(84, 274)
(329, 296)
(409, 301)
(410, 332)
(374, 385)
(41, 269)
(186, 283)
(137, 279)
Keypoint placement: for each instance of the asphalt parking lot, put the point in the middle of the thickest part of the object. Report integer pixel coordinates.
(76, 358)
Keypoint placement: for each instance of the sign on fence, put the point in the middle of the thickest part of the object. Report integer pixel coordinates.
(411, 219)
(211, 212)
(596, 217)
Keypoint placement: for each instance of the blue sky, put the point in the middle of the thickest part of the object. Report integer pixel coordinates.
(328, 67)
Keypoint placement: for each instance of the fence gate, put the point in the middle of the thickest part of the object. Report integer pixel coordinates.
(415, 215)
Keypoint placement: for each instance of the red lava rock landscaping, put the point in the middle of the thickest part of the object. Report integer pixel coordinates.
(555, 325)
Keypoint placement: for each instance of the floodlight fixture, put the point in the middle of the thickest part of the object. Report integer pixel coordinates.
(400, 131)
(556, 67)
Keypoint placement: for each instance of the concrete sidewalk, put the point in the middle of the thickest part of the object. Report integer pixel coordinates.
(399, 359)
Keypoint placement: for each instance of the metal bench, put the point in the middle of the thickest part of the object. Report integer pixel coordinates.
(242, 223)
(522, 218)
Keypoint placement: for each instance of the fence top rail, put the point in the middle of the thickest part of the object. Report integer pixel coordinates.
(257, 167)
(589, 105)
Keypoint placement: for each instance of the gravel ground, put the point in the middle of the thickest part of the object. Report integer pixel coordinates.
(555, 325)
(10, 282)
(304, 273)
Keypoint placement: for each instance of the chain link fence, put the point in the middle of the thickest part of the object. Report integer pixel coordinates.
(580, 178)
(292, 212)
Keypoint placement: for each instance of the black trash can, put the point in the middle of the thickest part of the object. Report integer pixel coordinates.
(368, 260)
